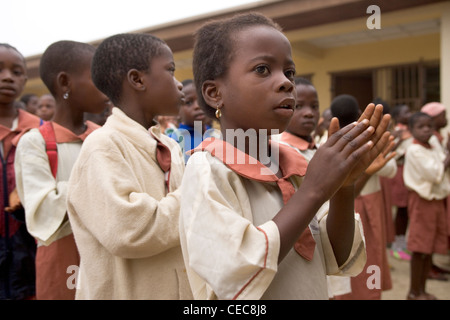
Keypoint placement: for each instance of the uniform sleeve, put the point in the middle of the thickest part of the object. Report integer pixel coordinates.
(357, 258)
(229, 255)
(422, 165)
(43, 198)
(106, 199)
(389, 170)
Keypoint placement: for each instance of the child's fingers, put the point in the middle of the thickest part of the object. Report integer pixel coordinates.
(380, 146)
(357, 141)
(377, 115)
(391, 156)
(389, 146)
(367, 113)
(333, 127)
(354, 138)
(335, 134)
(381, 128)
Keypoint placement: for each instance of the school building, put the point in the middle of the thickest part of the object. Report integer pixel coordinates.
(397, 50)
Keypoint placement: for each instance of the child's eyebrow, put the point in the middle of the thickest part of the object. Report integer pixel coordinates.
(270, 58)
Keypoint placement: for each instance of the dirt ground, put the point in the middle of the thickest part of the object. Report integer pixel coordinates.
(400, 281)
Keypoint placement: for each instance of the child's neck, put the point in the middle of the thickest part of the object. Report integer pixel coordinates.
(7, 114)
(73, 121)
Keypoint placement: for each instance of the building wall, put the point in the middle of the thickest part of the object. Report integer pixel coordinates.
(366, 56)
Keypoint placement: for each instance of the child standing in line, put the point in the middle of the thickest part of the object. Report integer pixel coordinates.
(30, 101)
(242, 217)
(123, 197)
(192, 128)
(46, 107)
(400, 115)
(427, 178)
(370, 205)
(65, 70)
(17, 246)
(437, 112)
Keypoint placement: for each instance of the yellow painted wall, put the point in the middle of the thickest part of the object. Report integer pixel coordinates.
(366, 56)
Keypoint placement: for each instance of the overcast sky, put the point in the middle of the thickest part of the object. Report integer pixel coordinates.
(32, 25)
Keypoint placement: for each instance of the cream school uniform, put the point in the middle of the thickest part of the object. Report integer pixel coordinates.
(429, 184)
(44, 200)
(425, 172)
(43, 196)
(230, 243)
(123, 204)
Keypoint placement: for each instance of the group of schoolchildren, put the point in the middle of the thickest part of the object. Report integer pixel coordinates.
(256, 209)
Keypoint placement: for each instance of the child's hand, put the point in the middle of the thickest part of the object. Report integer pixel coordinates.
(381, 139)
(336, 158)
(382, 158)
(14, 202)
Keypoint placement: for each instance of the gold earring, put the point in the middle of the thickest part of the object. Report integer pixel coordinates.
(218, 113)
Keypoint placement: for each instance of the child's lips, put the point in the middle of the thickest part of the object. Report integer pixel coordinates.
(286, 107)
(8, 91)
(287, 103)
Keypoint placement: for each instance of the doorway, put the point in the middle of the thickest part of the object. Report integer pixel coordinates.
(358, 84)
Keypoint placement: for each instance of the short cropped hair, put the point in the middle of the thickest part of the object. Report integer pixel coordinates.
(117, 55)
(395, 112)
(187, 81)
(8, 46)
(302, 81)
(345, 107)
(386, 107)
(415, 117)
(27, 97)
(214, 47)
(63, 56)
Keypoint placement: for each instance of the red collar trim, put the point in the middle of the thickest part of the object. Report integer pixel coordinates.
(290, 161)
(425, 145)
(296, 141)
(64, 135)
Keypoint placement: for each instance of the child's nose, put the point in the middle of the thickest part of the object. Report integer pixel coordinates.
(6, 75)
(285, 84)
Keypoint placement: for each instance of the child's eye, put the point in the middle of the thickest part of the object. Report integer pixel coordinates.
(262, 69)
(290, 74)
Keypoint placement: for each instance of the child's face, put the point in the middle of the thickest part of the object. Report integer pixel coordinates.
(404, 115)
(12, 75)
(306, 114)
(83, 93)
(46, 107)
(258, 90)
(190, 110)
(164, 95)
(423, 129)
(32, 104)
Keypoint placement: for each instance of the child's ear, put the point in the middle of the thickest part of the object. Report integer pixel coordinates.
(211, 93)
(63, 82)
(134, 78)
